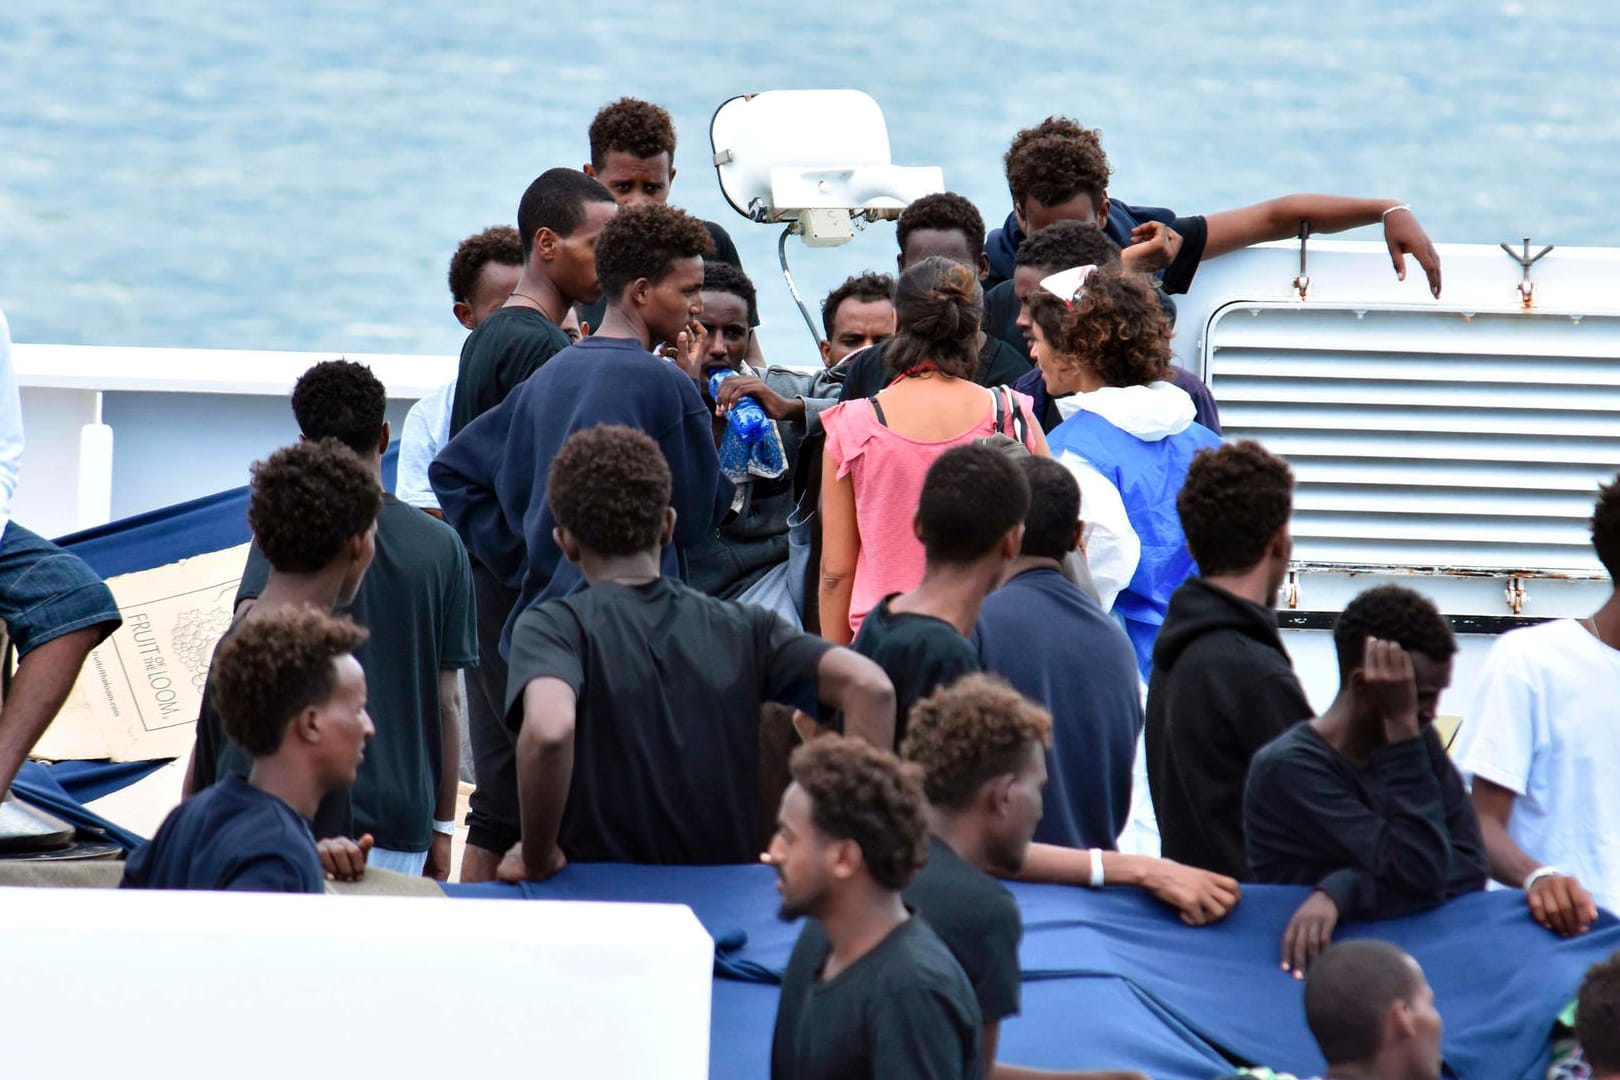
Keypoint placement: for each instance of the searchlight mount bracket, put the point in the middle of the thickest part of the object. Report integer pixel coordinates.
(815, 161)
(1527, 288)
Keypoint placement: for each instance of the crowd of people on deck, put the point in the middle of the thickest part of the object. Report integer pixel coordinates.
(882, 620)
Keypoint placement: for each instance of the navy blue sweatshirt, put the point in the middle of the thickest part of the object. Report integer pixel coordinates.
(491, 477)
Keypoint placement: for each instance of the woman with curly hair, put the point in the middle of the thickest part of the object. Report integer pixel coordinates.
(879, 448)
(1128, 435)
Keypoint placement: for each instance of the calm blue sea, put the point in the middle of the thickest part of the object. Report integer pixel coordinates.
(295, 175)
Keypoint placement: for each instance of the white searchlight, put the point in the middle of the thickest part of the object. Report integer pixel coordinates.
(814, 160)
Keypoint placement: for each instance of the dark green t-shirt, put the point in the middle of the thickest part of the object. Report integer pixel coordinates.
(508, 346)
(905, 1009)
(919, 653)
(978, 920)
(417, 602)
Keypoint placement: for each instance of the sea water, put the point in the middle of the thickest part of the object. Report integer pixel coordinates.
(295, 175)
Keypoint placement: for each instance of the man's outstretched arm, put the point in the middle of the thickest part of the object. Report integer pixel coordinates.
(1281, 218)
(1199, 896)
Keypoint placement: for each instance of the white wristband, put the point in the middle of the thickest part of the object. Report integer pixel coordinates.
(1096, 868)
(1403, 206)
(1538, 873)
(444, 828)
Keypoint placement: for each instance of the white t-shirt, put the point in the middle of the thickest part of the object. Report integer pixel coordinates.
(1545, 724)
(427, 429)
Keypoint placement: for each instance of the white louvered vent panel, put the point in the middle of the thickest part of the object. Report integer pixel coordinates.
(1424, 440)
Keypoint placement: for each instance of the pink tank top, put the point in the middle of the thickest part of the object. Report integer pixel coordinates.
(886, 471)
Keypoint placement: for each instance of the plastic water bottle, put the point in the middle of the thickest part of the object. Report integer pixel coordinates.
(746, 417)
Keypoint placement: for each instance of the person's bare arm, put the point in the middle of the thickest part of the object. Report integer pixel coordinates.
(1280, 219)
(1000, 1070)
(840, 548)
(444, 808)
(861, 690)
(1198, 896)
(1557, 901)
(545, 768)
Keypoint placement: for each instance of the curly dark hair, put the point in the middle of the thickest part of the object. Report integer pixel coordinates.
(497, 244)
(645, 242)
(632, 126)
(946, 211)
(972, 496)
(1054, 508)
(967, 733)
(556, 201)
(309, 499)
(1606, 528)
(1062, 246)
(275, 666)
(860, 793)
(1118, 329)
(1052, 125)
(865, 288)
(1391, 613)
(1065, 244)
(1597, 1016)
(722, 277)
(1052, 169)
(1348, 993)
(1232, 503)
(610, 485)
(938, 306)
(342, 400)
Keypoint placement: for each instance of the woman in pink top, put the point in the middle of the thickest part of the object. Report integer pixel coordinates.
(879, 449)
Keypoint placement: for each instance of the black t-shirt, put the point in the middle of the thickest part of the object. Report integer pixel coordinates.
(506, 348)
(978, 920)
(232, 836)
(1388, 837)
(669, 684)
(905, 1009)
(417, 602)
(724, 251)
(919, 653)
(867, 372)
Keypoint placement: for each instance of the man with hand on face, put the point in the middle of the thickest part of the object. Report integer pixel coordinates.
(1362, 803)
(982, 748)
(746, 558)
(870, 991)
(491, 478)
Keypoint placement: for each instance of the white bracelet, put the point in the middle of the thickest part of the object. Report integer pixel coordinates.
(1096, 868)
(1403, 206)
(444, 828)
(1538, 873)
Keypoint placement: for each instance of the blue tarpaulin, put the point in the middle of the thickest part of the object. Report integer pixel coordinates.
(1112, 979)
